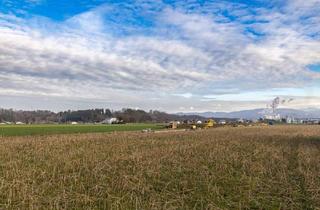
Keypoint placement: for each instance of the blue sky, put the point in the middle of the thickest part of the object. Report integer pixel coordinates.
(314, 67)
(168, 55)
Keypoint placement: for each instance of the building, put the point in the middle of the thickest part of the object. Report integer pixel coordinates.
(111, 120)
(173, 125)
(240, 120)
(275, 117)
(289, 120)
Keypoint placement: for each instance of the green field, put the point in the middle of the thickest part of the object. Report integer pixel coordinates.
(25, 130)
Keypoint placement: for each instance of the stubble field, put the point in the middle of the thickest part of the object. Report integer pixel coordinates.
(276, 167)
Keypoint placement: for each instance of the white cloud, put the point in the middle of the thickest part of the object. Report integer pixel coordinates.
(185, 95)
(188, 53)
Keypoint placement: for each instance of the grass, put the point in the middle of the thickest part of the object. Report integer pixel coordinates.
(23, 130)
(273, 167)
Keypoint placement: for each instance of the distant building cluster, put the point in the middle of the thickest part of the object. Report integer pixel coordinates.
(276, 118)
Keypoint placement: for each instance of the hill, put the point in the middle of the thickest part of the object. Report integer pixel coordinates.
(258, 113)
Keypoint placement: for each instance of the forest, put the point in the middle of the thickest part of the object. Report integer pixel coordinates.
(126, 115)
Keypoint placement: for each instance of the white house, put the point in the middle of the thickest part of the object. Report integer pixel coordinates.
(111, 120)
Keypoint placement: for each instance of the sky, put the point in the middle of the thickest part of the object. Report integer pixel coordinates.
(168, 55)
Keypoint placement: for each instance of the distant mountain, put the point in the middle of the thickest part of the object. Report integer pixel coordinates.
(258, 113)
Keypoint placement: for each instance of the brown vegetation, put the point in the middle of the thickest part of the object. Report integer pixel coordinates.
(224, 168)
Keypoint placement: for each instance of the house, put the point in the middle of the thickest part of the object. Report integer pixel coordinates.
(111, 120)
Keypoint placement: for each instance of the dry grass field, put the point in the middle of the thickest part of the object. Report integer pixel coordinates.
(275, 167)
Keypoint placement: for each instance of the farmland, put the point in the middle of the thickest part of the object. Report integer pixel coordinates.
(23, 130)
(274, 167)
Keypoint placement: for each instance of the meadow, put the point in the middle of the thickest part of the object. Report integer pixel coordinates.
(46, 129)
(274, 167)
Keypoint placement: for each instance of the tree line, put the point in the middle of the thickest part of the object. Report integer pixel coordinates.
(126, 115)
